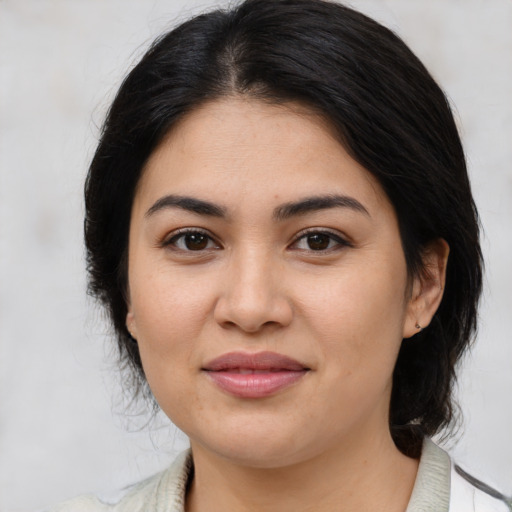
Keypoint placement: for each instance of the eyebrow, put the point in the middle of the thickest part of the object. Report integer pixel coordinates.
(190, 204)
(315, 203)
(282, 212)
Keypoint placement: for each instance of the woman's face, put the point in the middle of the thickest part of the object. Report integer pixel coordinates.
(269, 293)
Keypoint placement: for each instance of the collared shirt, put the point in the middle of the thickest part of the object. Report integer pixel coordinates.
(438, 488)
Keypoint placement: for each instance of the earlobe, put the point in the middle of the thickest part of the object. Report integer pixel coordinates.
(427, 288)
(131, 325)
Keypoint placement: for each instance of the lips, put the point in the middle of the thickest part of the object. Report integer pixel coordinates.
(254, 375)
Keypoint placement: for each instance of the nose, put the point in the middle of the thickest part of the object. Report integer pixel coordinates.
(253, 296)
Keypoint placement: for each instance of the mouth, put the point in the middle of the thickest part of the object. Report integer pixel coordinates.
(254, 375)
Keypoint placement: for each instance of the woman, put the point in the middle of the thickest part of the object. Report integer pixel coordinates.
(280, 224)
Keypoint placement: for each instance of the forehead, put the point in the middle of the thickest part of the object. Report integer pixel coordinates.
(238, 146)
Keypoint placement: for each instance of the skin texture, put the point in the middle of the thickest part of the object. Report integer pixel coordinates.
(254, 283)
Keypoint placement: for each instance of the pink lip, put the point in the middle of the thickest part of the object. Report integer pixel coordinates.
(254, 375)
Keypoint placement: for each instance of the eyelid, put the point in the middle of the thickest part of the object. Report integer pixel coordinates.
(177, 233)
(339, 238)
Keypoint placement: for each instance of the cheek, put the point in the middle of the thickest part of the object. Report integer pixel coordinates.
(368, 298)
(170, 315)
(169, 323)
(358, 314)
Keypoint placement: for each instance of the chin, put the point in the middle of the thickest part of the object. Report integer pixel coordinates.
(257, 447)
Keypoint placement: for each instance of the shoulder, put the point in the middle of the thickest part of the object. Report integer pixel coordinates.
(163, 491)
(469, 494)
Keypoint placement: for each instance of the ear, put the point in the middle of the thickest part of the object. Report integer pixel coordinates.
(131, 324)
(427, 287)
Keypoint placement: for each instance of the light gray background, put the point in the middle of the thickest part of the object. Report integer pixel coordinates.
(60, 63)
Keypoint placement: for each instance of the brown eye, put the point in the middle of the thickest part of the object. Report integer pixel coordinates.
(195, 241)
(190, 241)
(318, 241)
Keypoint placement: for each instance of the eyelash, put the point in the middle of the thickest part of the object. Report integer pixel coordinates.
(181, 234)
(334, 240)
(339, 241)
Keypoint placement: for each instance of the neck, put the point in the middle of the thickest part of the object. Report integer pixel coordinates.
(374, 476)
